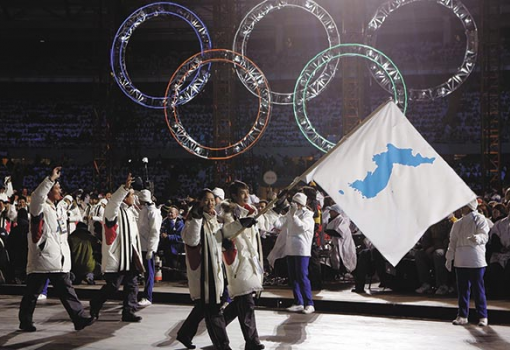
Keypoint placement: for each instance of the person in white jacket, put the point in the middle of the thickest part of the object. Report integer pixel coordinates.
(467, 252)
(203, 236)
(149, 224)
(299, 227)
(8, 214)
(343, 251)
(121, 253)
(96, 217)
(49, 256)
(244, 263)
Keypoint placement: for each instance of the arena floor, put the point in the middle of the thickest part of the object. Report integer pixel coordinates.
(277, 330)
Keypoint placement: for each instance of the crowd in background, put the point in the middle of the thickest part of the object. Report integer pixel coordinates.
(52, 123)
(418, 271)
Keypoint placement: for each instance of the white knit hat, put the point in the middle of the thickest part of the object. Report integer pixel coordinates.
(335, 207)
(473, 204)
(300, 198)
(218, 192)
(145, 196)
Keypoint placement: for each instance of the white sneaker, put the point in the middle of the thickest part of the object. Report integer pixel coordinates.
(296, 308)
(442, 290)
(309, 309)
(425, 287)
(144, 302)
(42, 297)
(483, 322)
(460, 321)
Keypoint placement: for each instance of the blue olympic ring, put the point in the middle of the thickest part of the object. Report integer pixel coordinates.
(126, 30)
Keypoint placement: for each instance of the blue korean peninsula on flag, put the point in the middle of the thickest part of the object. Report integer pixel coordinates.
(390, 182)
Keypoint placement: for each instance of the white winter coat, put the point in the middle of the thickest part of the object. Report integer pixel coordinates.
(463, 251)
(344, 248)
(48, 250)
(121, 241)
(74, 214)
(246, 272)
(299, 228)
(214, 234)
(149, 225)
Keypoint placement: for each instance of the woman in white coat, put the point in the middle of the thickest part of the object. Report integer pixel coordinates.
(467, 252)
(299, 227)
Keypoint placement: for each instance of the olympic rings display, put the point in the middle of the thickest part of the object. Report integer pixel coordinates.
(256, 14)
(312, 80)
(126, 30)
(463, 71)
(173, 94)
(378, 59)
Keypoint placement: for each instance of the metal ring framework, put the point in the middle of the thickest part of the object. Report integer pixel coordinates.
(258, 12)
(126, 30)
(257, 79)
(463, 71)
(379, 60)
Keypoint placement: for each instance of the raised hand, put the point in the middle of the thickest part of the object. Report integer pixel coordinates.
(129, 181)
(55, 174)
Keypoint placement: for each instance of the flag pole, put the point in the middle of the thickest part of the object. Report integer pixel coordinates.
(298, 179)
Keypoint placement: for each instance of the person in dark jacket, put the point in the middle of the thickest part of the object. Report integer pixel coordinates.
(17, 246)
(82, 243)
(171, 241)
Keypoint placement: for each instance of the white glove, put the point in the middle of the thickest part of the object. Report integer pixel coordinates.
(293, 209)
(149, 255)
(448, 265)
(472, 238)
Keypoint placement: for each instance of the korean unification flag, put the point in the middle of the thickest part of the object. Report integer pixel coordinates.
(390, 182)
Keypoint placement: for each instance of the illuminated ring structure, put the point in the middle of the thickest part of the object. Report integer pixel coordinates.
(301, 90)
(126, 30)
(463, 71)
(257, 80)
(258, 12)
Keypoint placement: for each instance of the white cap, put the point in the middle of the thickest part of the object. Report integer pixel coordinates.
(335, 207)
(253, 199)
(69, 198)
(145, 196)
(218, 192)
(473, 204)
(300, 198)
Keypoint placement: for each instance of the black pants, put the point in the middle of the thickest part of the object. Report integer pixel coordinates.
(113, 281)
(214, 320)
(243, 307)
(63, 288)
(189, 328)
(364, 268)
(216, 326)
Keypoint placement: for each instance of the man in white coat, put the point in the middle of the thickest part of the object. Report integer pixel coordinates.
(122, 253)
(49, 256)
(244, 264)
(149, 224)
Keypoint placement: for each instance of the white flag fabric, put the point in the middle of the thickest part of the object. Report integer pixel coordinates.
(390, 182)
